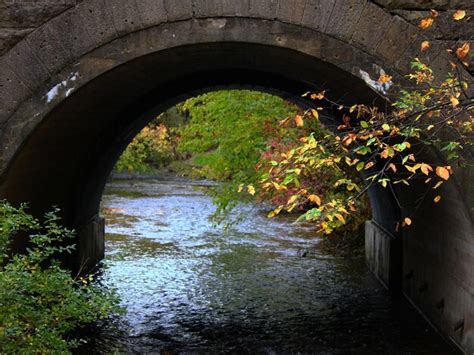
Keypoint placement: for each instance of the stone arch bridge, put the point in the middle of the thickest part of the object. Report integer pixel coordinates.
(78, 79)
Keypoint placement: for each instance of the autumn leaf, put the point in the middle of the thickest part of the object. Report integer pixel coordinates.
(384, 78)
(315, 199)
(425, 45)
(407, 221)
(434, 13)
(315, 114)
(425, 168)
(437, 199)
(442, 172)
(392, 167)
(459, 15)
(299, 121)
(454, 101)
(318, 96)
(425, 23)
(340, 217)
(240, 188)
(251, 190)
(462, 51)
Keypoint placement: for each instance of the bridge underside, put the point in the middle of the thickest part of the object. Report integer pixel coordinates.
(67, 119)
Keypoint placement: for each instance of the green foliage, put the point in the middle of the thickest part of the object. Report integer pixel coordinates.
(228, 129)
(41, 304)
(149, 150)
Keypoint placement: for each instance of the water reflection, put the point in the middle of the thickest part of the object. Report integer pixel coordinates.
(188, 286)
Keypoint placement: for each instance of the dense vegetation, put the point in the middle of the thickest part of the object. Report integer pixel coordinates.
(238, 137)
(41, 304)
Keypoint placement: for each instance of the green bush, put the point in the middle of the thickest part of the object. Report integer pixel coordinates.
(41, 304)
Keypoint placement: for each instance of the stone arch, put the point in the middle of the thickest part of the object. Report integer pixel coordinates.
(77, 88)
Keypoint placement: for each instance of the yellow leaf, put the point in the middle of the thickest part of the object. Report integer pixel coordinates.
(369, 165)
(425, 23)
(437, 199)
(425, 45)
(292, 199)
(454, 101)
(407, 221)
(315, 114)
(251, 190)
(442, 172)
(340, 217)
(315, 199)
(430, 127)
(299, 121)
(241, 187)
(459, 15)
(425, 168)
(462, 51)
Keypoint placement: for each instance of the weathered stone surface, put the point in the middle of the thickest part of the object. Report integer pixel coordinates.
(179, 9)
(152, 12)
(371, 26)
(263, 9)
(291, 11)
(207, 8)
(10, 36)
(235, 8)
(318, 13)
(344, 17)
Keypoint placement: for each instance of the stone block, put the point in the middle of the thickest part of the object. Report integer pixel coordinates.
(373, 23)
(124, 14)
(291, 11)
(235, 8)
(266, 9)
(207, 8)
(179, 9)
(28, 68)
(152, 12)
(345, 16)
(317, 14)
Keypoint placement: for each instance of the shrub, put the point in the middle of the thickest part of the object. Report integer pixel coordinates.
(41, 304)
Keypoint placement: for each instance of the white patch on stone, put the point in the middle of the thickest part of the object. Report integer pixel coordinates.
(62, 87)
(375, 84)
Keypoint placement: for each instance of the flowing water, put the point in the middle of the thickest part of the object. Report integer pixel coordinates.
(261, 286)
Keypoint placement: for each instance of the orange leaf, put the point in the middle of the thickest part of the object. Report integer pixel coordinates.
(425, 45)
(393, 167)
(425, 23)
(459, 15)
(407, 221)
(299, 121)
(434, 13)
(462, 51)
(442, 172)
(315, 199)
(437, 199)
(384, 78)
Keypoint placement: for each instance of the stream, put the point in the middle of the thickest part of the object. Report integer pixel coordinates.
(260, 286)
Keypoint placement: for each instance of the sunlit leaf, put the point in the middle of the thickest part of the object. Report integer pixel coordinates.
(459, 15)
(299, 121)
(425, 45)
(437, 199)
(425, 23)
(462, 51)
(315, 199)
(407, 221)
(442, 172)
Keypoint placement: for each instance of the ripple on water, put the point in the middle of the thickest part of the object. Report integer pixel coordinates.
(188, 286)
